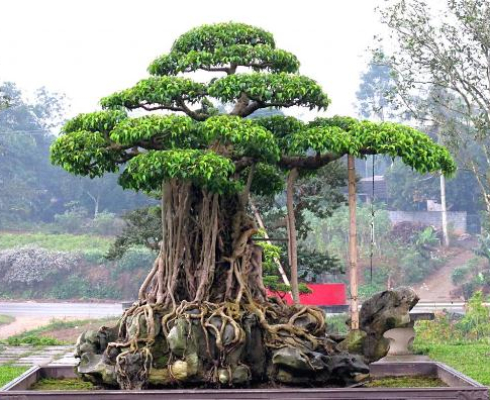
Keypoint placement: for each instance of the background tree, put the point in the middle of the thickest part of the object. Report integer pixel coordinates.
(206, 165)
(314, 196)
(31, 189)
(4, 100)
(443, 62)
(373, 102)
(374, 90)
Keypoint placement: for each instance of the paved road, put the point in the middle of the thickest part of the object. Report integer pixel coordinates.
(86, 310)
(99, 310)
(457, 307)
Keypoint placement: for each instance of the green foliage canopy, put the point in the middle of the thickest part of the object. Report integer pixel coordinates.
(214, 151)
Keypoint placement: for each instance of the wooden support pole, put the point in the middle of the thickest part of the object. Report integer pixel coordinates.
(353, 273)
(445, 235)
(293, 246)
(260, 222)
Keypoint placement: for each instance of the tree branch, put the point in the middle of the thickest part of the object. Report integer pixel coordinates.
(310, 162)
(191, 113)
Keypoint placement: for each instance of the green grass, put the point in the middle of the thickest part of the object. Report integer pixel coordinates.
(6, 319)
(9, 372)
(470, 358)
(60, 242)
(405, 382)
(336, 324)
(34, 338)
(62, 384)
(56, 324)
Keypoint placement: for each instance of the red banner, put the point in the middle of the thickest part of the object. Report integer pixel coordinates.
(323, 294)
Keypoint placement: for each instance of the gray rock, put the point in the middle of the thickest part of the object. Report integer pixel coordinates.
(346, 368)
(382, 312)
(255, 352)
(241, 375)
(387, 310)
(177, 337)
(292, 358)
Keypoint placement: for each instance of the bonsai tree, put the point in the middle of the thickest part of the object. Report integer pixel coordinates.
(203, 313)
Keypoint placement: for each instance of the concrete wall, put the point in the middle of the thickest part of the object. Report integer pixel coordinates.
(456, 219)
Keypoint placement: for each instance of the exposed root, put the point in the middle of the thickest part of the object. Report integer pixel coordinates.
(203, 314)
(212, 333)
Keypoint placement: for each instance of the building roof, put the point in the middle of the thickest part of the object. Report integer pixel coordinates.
(365, 187)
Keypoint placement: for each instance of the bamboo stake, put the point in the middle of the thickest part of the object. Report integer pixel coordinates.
(293, 246)
(260, 222)
(354, 309)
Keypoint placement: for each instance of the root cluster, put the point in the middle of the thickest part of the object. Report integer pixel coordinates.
(213, 343)
(203, 316)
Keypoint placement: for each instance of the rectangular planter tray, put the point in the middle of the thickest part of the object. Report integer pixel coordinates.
(460, 387)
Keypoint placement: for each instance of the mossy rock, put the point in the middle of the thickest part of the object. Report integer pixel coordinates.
(177, 337)
(159, 377)
(353, 342)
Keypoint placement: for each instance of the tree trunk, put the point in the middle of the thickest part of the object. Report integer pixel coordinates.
(293, 246)
(96, 200)
(206, 252)
(445, 235)
(353, 243)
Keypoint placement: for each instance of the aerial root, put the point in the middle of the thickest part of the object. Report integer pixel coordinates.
(222, 329)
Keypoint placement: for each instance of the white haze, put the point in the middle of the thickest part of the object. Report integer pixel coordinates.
(88, 49)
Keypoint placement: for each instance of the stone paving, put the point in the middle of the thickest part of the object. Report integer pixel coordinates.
(30, 355)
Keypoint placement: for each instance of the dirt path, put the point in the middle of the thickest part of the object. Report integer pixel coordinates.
(22, 324)
(438, 286)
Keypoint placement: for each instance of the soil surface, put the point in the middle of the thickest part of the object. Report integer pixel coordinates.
(22, 324)
(438, 287)
(63, 384)
(405, 382)
(70, 335)
(387, 382)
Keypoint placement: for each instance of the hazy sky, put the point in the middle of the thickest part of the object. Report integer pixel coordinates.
(88, 49)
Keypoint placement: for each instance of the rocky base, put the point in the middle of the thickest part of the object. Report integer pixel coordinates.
(215, 345)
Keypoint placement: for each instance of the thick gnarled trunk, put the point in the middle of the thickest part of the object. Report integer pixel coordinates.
(203, 316)
(207, 253)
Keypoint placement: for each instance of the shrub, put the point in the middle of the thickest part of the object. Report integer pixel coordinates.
(440, 330)
(32, 340)
(136, 258)
(105, 224)
(427, 239)
(94, 256)
(76, 286)
(367, 290)
(475, 325)
(29, 265)
(337, 324)
(459, 274)
(407, 232)
(270, 253)
(71, 221)
(416, 266)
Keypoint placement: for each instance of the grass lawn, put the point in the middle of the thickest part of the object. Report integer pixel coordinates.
(9, 372)
(60, 242)
(6, 319)
(472, 359)
(57, 332)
